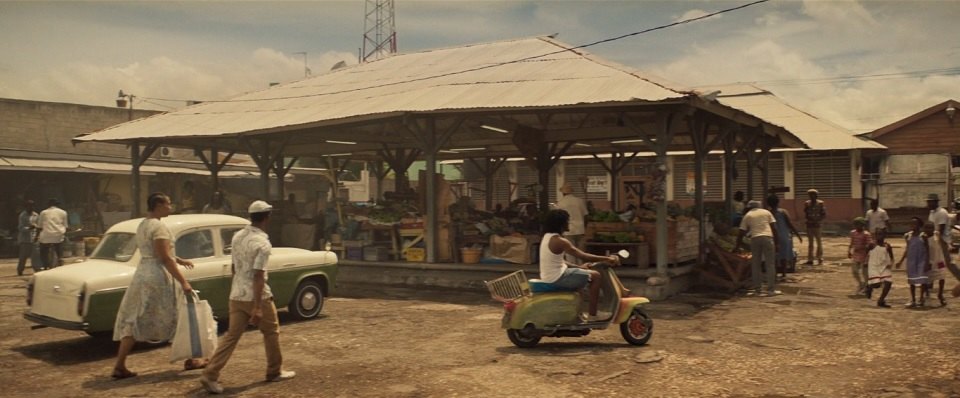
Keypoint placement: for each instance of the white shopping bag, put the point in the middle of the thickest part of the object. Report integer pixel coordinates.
(196, 335)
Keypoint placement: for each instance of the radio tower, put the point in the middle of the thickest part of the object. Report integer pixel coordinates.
(379, 31)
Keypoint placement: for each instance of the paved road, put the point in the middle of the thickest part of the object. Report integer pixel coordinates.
(816, 340)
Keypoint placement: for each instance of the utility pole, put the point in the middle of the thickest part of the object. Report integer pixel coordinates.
(379, 30)
(306, 70)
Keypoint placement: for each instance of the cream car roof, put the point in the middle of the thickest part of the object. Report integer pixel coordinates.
(182, 222)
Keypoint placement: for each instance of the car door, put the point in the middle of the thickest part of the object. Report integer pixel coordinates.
(199, 246)
(224, 253)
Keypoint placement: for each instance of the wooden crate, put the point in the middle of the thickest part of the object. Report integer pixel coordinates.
(682, 239)
(593, 228)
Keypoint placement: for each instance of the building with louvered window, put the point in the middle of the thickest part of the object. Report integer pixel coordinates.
(922, 158)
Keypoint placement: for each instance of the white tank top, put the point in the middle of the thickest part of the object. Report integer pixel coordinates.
(551, 264)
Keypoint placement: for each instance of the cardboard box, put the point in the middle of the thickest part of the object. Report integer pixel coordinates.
(414, 254)
(375, 253)
(354, 253)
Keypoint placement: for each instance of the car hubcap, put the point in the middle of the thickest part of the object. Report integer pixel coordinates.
(308, 301)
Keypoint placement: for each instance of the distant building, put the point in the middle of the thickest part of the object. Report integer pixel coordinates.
(922, 157)
(92, 180)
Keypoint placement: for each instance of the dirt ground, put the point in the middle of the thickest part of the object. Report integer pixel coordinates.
(817, 340)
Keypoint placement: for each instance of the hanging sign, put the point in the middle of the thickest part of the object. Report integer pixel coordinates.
(597, 184)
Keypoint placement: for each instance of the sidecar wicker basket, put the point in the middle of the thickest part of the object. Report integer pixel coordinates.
(510, 287)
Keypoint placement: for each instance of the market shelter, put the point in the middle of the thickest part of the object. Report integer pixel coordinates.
(536, 98)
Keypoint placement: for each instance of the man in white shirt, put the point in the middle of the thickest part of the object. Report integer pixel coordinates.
(577, 208)
(26, 231)
(939, 217)
(251, 301)
(758, 224)
(52, 223)
(877, 218)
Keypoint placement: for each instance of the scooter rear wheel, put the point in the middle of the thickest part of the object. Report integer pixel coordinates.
(638, 328)
(523, 338)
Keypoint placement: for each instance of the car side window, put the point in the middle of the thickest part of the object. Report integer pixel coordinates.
(196, 244)
(226, 236)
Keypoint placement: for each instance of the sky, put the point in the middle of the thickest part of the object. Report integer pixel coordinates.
(859, 64)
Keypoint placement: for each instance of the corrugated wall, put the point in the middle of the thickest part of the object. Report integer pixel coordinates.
(828, 172)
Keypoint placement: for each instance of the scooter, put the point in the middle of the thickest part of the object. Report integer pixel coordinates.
(533, 309)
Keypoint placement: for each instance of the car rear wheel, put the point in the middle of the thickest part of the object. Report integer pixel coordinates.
(307, 301)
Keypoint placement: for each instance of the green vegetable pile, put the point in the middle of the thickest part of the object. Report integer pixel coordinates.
(605, 216)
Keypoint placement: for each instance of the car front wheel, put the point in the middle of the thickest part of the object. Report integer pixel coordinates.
(307, 300)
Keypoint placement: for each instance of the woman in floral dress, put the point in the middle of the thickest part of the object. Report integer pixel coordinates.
(148, 311)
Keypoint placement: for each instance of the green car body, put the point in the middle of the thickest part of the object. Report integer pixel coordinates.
(86, 295)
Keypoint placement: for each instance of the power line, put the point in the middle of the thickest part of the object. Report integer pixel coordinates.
(868, 77)
(154, 103)
(608, 40)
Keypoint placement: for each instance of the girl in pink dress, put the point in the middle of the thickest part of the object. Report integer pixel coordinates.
(857, 251)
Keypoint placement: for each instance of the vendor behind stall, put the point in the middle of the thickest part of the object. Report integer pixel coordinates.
(577, 208)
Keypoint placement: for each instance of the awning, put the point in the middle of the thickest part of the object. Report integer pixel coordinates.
(84, 166)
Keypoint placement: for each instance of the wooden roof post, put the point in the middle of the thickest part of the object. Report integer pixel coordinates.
(380, 172)
(729, 131)
(618, 161)
(659, 141)
(749, 149)
(137, 159)
(262, 158)
(666, 123)
(764, 165)
(431, 142)
(213, 164)
(489, 168)
(699, 128)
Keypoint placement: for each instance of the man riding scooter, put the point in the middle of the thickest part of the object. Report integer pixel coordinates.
(557, 272)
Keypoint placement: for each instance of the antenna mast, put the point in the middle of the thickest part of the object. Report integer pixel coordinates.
(379, 30)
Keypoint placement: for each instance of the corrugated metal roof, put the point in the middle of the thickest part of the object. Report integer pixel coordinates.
(523, 73)
(817, 133)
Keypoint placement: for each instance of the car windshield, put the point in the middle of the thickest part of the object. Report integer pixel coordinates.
(117, 246)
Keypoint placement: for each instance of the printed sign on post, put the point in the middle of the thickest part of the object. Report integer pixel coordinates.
(597, 184)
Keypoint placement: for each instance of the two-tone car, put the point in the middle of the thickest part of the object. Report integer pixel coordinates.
(86, 295)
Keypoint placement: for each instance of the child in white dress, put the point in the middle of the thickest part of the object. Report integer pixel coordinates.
(879, 264)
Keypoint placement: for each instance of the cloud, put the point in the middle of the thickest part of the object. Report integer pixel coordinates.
(162, 78)
(840, 14)
(695, 13)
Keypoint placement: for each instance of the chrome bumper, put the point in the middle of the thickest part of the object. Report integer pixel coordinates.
(56, 323)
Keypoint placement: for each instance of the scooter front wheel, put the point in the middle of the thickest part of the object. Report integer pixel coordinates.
(523, 338)
(638, 328)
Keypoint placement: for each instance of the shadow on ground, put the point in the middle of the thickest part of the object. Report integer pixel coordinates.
(78, 350)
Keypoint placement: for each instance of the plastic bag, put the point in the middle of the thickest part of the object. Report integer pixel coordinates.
(196, 335)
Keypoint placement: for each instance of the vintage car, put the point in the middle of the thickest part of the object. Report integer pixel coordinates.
(86, 295)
